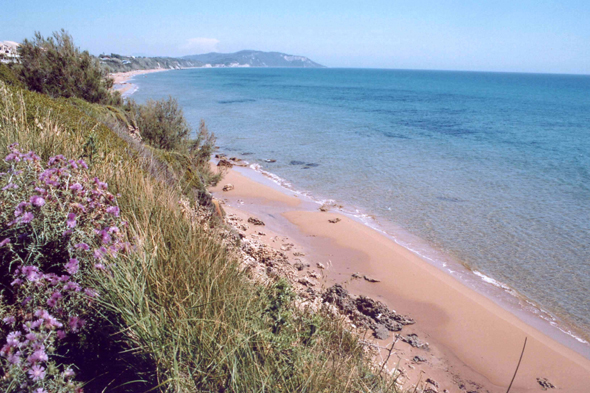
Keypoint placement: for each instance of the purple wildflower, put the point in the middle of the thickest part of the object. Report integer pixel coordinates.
(82, 163)
(40, 390)
(52, 301)
(73, 164)
(38, 356)
(31, 336)
(72, 286)
(76, 323)
(99, 253)
(72, 266)
(31, 272)
(36, 324)
(9, 186)
(9, 320)
(71, 220)
(27, 217)
(37, 372)
(91, 292)
(68, 373)
(20, 208)
(13, 157)
(82, 246)
(114, 210)
(61, 334)
(13, 339)
(41, 191)
(5, 242)
(76, 187)
(52, 322)
(16, 282)
(14, 358)
(37, 200)
(99, 266)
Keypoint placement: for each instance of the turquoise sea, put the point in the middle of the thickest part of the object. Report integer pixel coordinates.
(487, 170)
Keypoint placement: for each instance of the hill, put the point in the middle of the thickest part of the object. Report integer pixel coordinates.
(252, 58)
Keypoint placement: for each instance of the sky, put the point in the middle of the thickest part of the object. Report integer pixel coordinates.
(477, 35)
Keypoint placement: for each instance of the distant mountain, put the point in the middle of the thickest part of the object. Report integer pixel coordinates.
(252, 58)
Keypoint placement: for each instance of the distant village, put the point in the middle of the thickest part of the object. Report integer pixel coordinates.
(8, 51)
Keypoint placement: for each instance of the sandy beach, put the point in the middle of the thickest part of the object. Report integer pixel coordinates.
(122, 78)
(474, 345)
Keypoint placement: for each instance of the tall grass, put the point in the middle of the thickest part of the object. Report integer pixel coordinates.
(178, 310)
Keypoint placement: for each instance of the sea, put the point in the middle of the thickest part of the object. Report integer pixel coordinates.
(486, 175)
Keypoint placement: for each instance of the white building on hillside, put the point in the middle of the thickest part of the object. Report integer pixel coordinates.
(8, 51)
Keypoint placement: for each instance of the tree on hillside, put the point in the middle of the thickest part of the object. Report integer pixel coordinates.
(56, 67)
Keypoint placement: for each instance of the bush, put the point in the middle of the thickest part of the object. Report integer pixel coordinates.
(9, 77)
(58, 226)
(161, 123)
(56, 67)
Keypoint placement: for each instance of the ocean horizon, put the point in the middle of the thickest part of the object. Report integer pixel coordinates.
(486, 170)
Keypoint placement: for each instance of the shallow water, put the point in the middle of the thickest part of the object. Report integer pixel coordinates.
(490, 169)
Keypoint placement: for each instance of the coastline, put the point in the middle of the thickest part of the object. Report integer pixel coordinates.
(471, 337)
(122, 82)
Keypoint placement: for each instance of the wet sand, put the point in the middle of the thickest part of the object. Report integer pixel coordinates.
(474, 344)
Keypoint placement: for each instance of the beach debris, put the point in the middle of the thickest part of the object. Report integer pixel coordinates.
(320, 265)
(255, 221)
(334, 221)
(545, 384)
(225, 163)
(414, 341)
(324, 208)
(418, 359)
(228, 187)
(370, 279)
(298, 254)
(356, 275)
(432, 382)
(261, 233)
(270, 160)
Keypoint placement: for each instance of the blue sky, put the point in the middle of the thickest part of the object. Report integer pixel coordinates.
(501, 35)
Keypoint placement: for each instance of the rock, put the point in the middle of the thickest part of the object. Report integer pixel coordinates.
(270, 160)
(296, 163)
(369, 279)
(219, 156)
(338, 296)
(306, 281)
(228, 187)
(235, 159)
(320, 266)
(313, 274)
(380, 332)
(414, 341)
(261, 233)
(429, 390)
(298, 254)
(335, 220)
(299, 266)
(545, 384)
(418, 359)
(312, 165)
(432, 382)
(356, 275)
(225, 163)
(255, 221)
(324, 208)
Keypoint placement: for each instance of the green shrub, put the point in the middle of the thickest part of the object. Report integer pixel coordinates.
(9, 77)
(162, 123)
(56, 67)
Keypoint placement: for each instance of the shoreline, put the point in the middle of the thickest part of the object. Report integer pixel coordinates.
(122, 82)
(471, 335)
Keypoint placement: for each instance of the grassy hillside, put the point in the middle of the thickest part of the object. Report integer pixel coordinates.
(169, 309)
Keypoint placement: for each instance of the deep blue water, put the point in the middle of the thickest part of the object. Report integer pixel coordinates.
(491, 169)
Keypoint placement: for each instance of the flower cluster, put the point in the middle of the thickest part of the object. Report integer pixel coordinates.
(58, 227)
